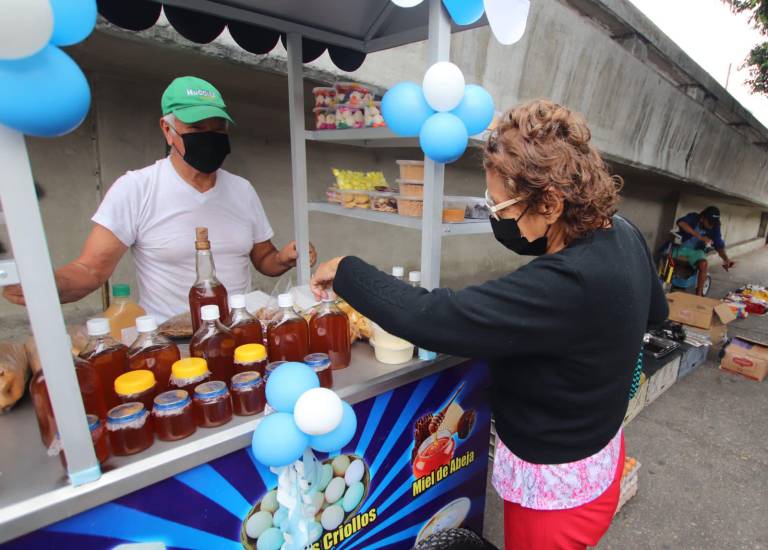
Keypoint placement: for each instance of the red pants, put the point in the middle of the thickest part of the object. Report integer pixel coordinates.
(571, 529)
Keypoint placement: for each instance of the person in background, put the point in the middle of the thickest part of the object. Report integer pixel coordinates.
(561, 334)
(697, 231)
(154, 212)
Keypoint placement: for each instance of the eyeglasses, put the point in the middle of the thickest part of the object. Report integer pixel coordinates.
(495, 208)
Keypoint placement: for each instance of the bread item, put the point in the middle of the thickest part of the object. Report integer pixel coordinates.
(179, 326)
(14, 374)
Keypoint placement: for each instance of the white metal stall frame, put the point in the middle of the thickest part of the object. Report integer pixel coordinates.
(381, 25)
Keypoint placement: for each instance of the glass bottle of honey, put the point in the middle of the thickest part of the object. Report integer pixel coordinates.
(216, 344)
(207, 289)
(152, 351)
(288, 335)
(245, 327)
(329, 333)
(108, 357)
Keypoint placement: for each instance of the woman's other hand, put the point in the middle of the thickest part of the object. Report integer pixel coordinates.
(323, 278)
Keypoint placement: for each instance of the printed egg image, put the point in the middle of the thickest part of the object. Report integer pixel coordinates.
(343, 487)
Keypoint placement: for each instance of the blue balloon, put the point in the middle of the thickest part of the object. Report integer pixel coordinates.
(44, 95)
(278, 441)
(340, 437)
(73, 21)
(476, 109)
(405, 109)
(465, 12)
(444, 138)
(286, 384)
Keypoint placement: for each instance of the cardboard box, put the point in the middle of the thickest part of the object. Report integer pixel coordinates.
(704, 313)
(662, 380)
(637, 403)
(748, 358)
(693, 357)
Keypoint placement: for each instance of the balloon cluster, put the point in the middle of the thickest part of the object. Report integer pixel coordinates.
(507, 18)
(306, 416)
(443, 112)
(44, 91)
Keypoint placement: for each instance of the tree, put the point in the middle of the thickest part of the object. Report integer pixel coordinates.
(757, 60)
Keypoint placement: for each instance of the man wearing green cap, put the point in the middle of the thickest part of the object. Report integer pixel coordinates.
(154, 211)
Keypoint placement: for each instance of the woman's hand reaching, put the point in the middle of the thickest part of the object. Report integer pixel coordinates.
(323, 278)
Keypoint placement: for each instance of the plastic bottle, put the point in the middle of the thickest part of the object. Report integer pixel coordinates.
(108, 357)
(246, 328)
(207, 289)
(122, 314)
(398, 272)
(414, 278)
(152, 351)
(288, 336)
(216, 344)
(329, 333)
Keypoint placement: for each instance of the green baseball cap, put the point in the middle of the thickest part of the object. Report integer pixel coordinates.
(192, 99)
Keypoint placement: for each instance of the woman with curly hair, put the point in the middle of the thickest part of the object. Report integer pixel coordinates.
(561, 334)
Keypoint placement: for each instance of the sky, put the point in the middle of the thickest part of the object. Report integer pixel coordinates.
(713, 37)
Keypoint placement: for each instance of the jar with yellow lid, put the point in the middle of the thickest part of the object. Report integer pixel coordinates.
(251, 357)
(186, 374)
(137, 386)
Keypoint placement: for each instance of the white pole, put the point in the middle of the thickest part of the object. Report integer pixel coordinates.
(25, 228)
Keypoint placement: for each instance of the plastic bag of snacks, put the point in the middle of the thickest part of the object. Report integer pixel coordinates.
(360, 181)
(14, 373)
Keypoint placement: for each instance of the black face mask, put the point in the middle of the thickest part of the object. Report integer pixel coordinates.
(205, 151)
(507, 232)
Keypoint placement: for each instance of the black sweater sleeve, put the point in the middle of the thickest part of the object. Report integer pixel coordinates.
(519, 313)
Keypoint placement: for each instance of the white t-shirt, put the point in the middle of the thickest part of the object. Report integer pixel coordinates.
(155, 212)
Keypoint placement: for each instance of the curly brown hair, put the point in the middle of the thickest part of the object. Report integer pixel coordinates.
(542, 150)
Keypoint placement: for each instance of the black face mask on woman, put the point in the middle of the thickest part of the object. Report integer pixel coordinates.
(205, 151)
(507, 232)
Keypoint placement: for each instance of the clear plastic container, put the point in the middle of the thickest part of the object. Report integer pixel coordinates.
(355, 199)
(475, 208)
(108, 357)
(130, 429)
(384, 202)
(122, 314)
(390, 349)
(324, 96)
(454, 211)
(352, 93)
(412, 189)
(251, 357)
(373, 116)
(189, 373)
(248, 397)
(410, 207)
(153, 351)
(321, 364)
(348, 117)
(99, 439)
(411, 169)
(212, 404)
(137, 385)
(325, 118)
(173, 416)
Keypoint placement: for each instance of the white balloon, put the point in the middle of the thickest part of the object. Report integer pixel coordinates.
(443, 86)
(507, 19)
(26, 27)
(318, 411)
(407, 3)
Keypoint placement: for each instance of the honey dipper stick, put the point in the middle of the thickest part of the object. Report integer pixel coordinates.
(437, 419)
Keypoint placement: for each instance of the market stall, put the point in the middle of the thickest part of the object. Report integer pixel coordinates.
(422, 426)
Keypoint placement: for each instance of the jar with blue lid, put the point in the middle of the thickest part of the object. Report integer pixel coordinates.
(248, 393)
(130, 429)
(212, 404)
(98, 437)
(173, 416)
(321, 364)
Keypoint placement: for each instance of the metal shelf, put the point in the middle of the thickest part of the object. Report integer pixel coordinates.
(374, 137)
(467, 227)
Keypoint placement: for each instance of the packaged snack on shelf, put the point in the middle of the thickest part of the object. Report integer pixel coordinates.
(348, 117)
(363, 181)
(355, 199)
(373, 116)
(410, 207)
(411, 169)
(325, 118)
(384, 202)
(353, 94)
(411, 188)
(324, 96)
(333, 195)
